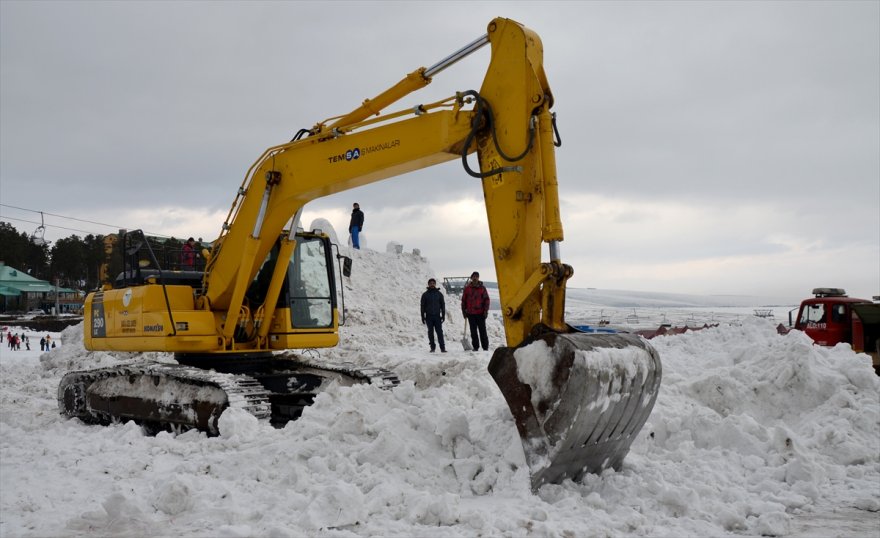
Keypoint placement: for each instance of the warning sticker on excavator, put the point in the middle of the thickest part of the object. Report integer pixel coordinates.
(497, 179)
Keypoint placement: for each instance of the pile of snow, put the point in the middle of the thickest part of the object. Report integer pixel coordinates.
(753, 433)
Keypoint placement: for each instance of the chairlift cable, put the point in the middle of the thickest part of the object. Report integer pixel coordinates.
(72, 218)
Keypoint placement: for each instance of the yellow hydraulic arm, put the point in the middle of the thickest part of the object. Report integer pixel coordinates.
(508, 123)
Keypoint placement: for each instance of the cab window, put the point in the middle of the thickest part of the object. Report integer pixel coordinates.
(311, 298)
(813, 313)
(838, 313)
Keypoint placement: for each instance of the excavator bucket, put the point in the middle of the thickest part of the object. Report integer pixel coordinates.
(578, 399)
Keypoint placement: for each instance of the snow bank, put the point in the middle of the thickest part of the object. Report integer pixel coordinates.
(751, 432)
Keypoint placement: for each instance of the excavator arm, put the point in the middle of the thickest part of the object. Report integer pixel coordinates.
(508, 124)
(578, 400)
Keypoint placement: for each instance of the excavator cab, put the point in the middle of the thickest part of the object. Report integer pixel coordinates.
(306, 313)
(152, 297)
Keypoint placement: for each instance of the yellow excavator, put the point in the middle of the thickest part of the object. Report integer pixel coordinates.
(269, 287)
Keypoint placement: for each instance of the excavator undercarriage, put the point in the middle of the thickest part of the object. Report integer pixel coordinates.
(194, 393)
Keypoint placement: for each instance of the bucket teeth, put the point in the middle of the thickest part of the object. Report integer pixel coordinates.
(578, 400)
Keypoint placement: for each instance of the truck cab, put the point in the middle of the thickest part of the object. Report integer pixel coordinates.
(831, 317)
(827, 317)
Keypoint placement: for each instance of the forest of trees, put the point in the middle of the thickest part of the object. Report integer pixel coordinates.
(75, 261)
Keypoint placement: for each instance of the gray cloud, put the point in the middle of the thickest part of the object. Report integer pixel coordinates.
(721, 105)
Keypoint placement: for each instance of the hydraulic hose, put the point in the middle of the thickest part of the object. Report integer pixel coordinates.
(484, 117)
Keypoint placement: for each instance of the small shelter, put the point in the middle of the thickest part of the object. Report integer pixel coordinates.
(454, 285)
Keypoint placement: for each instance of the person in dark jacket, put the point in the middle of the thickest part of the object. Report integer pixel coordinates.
(434, 314)
(475, 307)
(356, 225)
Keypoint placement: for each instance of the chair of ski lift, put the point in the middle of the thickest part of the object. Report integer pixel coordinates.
(39, 236)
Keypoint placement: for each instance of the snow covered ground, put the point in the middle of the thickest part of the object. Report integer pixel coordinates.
(753, 434)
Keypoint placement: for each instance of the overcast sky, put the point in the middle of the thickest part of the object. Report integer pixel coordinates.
(708, 147)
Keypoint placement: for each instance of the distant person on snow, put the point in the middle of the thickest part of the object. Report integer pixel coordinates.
(475, 307)
(356, 225)
(188, 254)
(434, 314)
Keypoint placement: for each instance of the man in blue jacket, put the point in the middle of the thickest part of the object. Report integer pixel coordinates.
(434, 314)
(356, 225)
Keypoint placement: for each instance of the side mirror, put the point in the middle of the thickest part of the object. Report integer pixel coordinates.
(346, 266)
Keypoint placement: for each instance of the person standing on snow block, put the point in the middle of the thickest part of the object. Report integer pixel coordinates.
(434, 314)
(475, 307)
(356, 225)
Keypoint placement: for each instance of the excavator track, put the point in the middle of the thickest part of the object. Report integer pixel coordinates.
(380, 377)
(180, 397)
(159, 396)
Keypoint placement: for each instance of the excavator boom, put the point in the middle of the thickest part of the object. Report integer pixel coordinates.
(578, 400)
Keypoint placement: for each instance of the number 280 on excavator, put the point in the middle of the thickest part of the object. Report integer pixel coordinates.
(268, 287)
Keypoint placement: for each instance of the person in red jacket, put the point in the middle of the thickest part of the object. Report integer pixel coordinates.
(188, 255)
(475, 307)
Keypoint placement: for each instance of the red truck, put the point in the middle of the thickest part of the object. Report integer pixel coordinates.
(831, 317)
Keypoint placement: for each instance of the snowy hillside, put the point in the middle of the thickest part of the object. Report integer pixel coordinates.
(753, 434)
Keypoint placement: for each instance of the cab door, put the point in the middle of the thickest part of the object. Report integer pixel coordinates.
(825, 321)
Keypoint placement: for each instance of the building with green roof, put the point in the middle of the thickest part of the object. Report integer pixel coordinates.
(20, 292)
